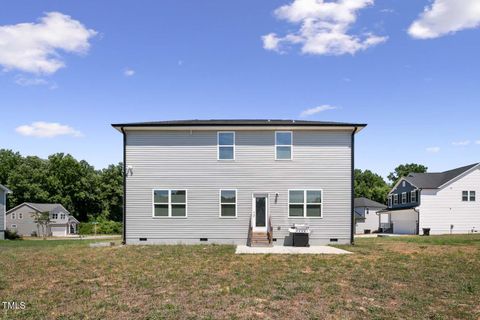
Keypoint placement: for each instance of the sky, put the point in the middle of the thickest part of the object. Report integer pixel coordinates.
(409, 69)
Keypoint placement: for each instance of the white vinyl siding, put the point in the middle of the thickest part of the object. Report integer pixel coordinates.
(184, 159)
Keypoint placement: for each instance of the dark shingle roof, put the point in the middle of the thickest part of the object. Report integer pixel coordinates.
(367, 203)
(436, 179)
(238, 122)
(44, 207)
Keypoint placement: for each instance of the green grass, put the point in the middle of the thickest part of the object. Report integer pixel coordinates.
(387, 278)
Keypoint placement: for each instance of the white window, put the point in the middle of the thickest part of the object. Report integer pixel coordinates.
(395, 199)
(305, 203)
(413, 195)
(404, 197)
(464, 195)
(283, 145)
(226, 145)
(20, 215)
(54, 216)
(390, 201)
(403, 184)
(13, 226)
(62, 216)
(14, 216)
(228, 203)
(170, 203)
(472, 195)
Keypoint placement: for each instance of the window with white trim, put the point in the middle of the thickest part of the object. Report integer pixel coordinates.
(20, 215)
(403, 184)
(473, 196)
(469, 196)
(54, 216)
(464, 196)
(226, 145)
(283, 145)
(404, 197)
(305, 203)
(62, 216)
(413, 195)
(170, 203)
(390, 201)
(14, 216)
(228, 203)
(13, 226)
(395, 199)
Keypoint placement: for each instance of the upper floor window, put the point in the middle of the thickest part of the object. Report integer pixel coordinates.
(14, 216)
(395, 199)
(390, 201)
(283, 145)
(404, 197)
(226, 145)
(62, 216)
(228, 203)
(305, 203)
(54, 215)
(403, 184)
(413, 195)
(20, 215)
(469, 196)
(169, 203)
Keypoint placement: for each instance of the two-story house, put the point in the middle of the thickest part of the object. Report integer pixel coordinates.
(444, 202)
(3, 205)
(223, 181)
(22, 219)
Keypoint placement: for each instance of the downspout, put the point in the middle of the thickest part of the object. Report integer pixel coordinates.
(352, 218)
(124, 235)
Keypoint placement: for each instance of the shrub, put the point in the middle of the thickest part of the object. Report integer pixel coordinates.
(103, 227)
(12, 235)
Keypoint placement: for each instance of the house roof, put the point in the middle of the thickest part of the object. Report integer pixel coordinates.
(435, 180)
(238, 122)
(5, 189)
(367, 203)
(40, 207)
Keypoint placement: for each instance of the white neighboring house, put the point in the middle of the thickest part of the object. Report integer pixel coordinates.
(367, 220)
(444, 202)
(3, 205)
(21, 219)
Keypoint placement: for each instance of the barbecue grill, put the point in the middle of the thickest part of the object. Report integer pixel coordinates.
(301, 234)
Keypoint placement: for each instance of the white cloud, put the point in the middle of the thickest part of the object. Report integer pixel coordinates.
(129, 72)
(315, 110)
(461, 143)
(26, 81)
(446, 17)
(42, 129)
(323, 27)
(35, 47)
(433, 149)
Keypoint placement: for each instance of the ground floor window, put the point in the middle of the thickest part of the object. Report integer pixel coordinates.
(169, 203)
(305, 203)
(228, 203)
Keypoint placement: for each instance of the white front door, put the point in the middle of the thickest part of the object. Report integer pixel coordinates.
(260, 212)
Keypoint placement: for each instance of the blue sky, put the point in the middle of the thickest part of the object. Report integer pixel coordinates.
(101, 62)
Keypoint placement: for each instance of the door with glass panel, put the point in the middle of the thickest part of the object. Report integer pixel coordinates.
(259, 212)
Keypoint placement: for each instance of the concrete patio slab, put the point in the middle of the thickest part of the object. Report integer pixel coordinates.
(290, 250)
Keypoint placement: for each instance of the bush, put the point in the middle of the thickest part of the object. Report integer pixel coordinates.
(12, 235)
(103, 227)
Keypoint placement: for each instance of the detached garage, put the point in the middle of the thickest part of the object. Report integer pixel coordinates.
(403, 221)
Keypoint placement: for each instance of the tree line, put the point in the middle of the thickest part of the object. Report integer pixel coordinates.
(97, 194)
(85, 192)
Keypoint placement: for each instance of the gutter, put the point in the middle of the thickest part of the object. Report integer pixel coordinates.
(352, 218)
(124, 235)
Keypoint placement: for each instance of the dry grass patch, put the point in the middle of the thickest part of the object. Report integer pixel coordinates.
(415, 278)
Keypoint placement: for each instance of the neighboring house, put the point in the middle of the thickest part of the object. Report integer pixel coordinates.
(231, 181)
(367, 220)
(21, 219)
(444, 202)
(3, 206)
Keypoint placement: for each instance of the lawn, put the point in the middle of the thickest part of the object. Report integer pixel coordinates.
(434, 277)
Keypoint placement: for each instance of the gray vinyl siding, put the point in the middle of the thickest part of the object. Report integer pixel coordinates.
(188, 160)
(2, 213)
(26, 225)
